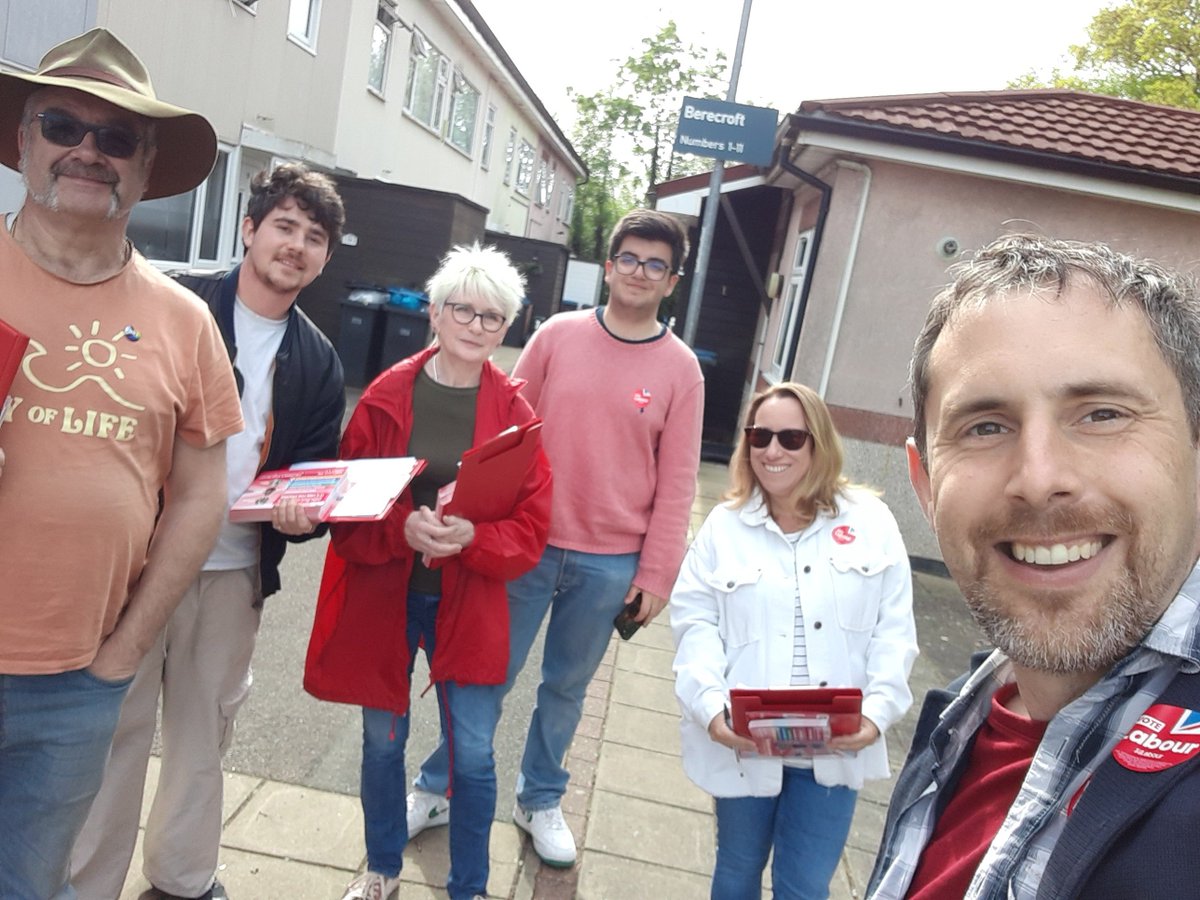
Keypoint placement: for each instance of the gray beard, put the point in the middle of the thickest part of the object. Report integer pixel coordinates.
(1075, 643)
(49, 197)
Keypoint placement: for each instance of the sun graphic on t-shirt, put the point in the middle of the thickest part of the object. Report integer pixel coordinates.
(98, 352)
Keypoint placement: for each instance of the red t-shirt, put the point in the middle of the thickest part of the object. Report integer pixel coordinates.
(999, 760)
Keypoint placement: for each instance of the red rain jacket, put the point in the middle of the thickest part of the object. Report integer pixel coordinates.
(358, 651)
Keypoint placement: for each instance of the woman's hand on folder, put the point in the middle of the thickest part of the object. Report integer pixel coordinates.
(867, 734)
(719, 731)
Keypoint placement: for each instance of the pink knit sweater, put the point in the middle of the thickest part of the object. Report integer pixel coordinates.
(622, 431)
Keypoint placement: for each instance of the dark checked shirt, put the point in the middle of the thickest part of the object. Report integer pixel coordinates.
(1077, 740)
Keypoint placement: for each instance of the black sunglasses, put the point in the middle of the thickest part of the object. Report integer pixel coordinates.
(789, 438)
(65, 130)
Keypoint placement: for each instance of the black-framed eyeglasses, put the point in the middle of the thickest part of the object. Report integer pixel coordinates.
(654, 268)
(792, 439)
(464, 314)
(65, 130)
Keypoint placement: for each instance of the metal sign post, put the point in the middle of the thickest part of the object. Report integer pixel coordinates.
(709, 222)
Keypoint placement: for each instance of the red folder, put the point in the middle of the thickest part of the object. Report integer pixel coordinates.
(491, 475)
(842, 705)
(12, 351)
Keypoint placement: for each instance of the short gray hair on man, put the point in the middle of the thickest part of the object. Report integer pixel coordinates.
(1028, 262)
(475, 270)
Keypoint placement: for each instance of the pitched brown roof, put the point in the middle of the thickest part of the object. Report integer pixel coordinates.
(1068, 125)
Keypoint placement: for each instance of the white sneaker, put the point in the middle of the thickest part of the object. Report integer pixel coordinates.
(426, 810)
(371, 886)
(552, 839)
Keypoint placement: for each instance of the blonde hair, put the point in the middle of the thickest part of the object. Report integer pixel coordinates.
(822, 483)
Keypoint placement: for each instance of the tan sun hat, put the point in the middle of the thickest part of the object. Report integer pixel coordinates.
(97, 63)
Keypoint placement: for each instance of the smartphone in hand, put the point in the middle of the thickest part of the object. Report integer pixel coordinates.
(625, 623)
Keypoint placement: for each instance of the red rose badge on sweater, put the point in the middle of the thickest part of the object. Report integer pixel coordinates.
(1164, 736)
(641, 399)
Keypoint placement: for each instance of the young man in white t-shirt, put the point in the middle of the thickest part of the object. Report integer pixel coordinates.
(292, 396)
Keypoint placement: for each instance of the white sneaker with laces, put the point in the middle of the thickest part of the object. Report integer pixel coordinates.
(552, 839)
(371, 886)
(426, 810)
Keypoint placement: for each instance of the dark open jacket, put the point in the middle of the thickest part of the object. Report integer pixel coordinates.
(308, 399)
(1131, 835)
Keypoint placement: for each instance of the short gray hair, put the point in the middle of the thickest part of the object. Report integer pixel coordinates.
(1027, 262)
(481, 271)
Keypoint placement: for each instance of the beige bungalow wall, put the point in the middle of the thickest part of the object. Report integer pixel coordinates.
(896, 270)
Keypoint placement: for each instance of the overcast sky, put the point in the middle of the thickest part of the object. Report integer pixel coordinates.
(797, 50)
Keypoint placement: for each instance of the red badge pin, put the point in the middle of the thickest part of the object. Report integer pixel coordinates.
(641, 399)
(1164, 736)
(844, 534)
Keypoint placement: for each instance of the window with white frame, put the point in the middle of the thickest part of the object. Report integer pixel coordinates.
(525, 160)
(566, 202)
(428, 82)
(489, 135)
(186, 228)
(510, 154)
(539, 183)
(464, 110)
(303, 18)
(788, 320)
(381, 47)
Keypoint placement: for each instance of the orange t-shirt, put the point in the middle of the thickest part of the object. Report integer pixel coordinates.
(114, 374)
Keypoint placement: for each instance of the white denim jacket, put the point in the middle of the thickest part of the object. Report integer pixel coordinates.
(733, 618)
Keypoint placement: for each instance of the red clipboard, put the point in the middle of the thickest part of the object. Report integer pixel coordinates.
(491, 475)
(12, 351)
(842, 705)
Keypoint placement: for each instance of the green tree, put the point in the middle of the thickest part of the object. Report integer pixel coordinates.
(626, 132)
(1145, 50)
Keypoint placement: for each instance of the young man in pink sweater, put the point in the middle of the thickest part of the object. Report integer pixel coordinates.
(622, 399)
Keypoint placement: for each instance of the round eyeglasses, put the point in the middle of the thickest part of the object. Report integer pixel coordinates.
(654, 269)
(464, 314)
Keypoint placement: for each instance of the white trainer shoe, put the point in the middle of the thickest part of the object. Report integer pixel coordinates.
(371, 886)
(426, 810)
(552, 839)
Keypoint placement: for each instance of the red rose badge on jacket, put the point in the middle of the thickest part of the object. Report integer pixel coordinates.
(844, 534)
(1164, 736)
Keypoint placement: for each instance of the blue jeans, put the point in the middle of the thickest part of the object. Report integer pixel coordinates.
(468, 716)
(55, 731)
(805, 823)
(583, 592)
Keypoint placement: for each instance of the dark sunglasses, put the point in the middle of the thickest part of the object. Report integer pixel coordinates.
(65, 130)
(789, 438)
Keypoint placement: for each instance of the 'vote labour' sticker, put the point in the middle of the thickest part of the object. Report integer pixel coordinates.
(1163, 736)
(844, 534)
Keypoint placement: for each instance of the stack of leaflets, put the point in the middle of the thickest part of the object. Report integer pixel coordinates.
(356, 490)
(316, 490)
(776, 734)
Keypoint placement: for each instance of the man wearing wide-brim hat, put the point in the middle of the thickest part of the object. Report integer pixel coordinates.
(125, 395)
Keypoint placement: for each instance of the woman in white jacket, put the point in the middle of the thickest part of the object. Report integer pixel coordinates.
(798, 579)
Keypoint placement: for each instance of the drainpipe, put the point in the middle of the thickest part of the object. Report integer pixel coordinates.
(847, 272)
(826, 191)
